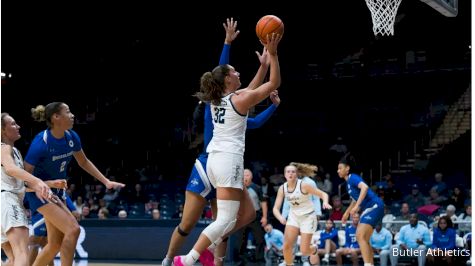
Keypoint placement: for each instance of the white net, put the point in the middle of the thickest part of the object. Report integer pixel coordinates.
(383, 14)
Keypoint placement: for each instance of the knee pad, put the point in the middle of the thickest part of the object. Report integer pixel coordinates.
(227, 213)
(181, 232)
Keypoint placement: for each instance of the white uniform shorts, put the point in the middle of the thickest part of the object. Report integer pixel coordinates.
(12, 213)
(307, 223)
(225, 170)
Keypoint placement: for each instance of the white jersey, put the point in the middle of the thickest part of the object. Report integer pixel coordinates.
(229, 128)
(300, 203)
(10, 183)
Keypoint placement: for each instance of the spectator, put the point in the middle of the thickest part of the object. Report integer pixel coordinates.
(98, 192)
(381, 241)
(450, 213)
(435, 198)
(465, 217)
(405, 214)
(103, 213)
(458, 198)
(388, 218)
(86, 213)
(326, 184)
(444, 239)
(439, 185)
(328, 243)
(277, 178)
(413, 241)
(260, 205)
(122, 214)
(391, 193)
(415, 199)
(338, 209)
(351, 245)
(111, 195)
(155, 214)
(137, 196)
(274, 243)
(79, 203)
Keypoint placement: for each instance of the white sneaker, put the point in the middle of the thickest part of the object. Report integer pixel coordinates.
(306, 263)
(282, 264)
(326, 259)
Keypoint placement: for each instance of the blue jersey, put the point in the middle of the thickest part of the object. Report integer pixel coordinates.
(350, 237)
(444, 239)
(50, 156)
(332, 235)
(352, 186)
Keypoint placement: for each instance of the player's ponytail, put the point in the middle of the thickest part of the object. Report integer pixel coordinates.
(41, 113)
(305, 169)
(38, 113)
(212, 85)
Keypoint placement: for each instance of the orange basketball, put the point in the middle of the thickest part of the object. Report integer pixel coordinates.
(267, 25)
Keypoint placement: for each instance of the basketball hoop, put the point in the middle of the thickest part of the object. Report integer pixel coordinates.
(383, 14)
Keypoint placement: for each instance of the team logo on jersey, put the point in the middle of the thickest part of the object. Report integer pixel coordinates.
(368, 217)
(194, 182)
(71, 143)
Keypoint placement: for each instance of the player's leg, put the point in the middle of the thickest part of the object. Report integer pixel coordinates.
(363, 234)
(308, 226)
(246, 214)
(290, 237)
(226, 172)
(18, 238)
(198, 191)
(63, 232)
(192, 211)
(368, 220)
(7, 248)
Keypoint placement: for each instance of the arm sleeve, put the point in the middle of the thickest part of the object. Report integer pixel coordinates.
(401, 239)
(285, 209)
(426, 238)
(355, 181)
(70, 204)
(371, 240)
(435, 241)
(260, 119)
(224, 59)
(208, 129)
(452, 240)
(388, 239)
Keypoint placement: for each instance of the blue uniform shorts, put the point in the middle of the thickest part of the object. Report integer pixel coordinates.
(373, 215)
(199, 181)
(35, 203)
(39, 225)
